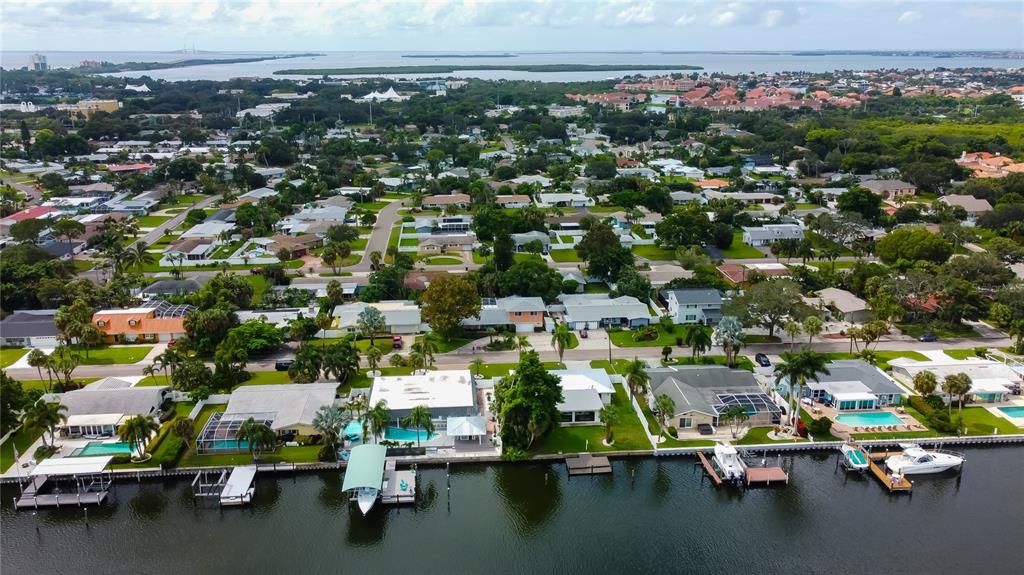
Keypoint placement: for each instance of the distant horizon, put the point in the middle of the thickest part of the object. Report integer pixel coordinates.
(183, 50)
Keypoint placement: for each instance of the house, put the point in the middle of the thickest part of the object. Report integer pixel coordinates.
(702, 393)
(441, 202)
(161, 288)
(441, 243)
(289, 409)
(541, 181)
(300, 222)
(853, 384)
(693, 305)
(680, 197)
(212, 230)
(258, 194)
(194, 249)
(514, 201)
(739, 274)
(890, 188)
(152, 322)
(745, 198)
(98, 410)
(830, 194)
(972, 205)
(400, 316)
(563, 200)
(641, 172)
(592, 311)
(515, 313)
(770, 233)
(521, 241)
(450, 224)
(843, 304)
(296, 246)
(33, 213)
(991, 381)
(29, 328)
(446, 393)
(584, 393)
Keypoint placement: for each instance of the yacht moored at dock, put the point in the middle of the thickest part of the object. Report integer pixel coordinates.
(728, 463)
(915, 460)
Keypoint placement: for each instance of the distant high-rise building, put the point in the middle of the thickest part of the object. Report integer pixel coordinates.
(39, 63)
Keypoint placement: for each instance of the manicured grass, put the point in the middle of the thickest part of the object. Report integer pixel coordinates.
(151, 221)
(759, 435)
(154, 380)
(224, 251)
(489, 370)
(267, 378)
(9, 355)
(407, 242)
(940, 329)
(43, 384)
(980, 421)
(806, 206)
(450, 345)
(479, 259)
(363, 380)
(960, 353)
(183, 408)
(82, 265)
(115, 355)
(654, 253)
(742, 362)
(22, 439)
(181, 200)
(598, 287)
(740, 250)
(358, 244)
(565, 239)
(605, 209)
(884, 357)
(564, 255)
(628, 433)
(260, 285)
(624, 338)
(396, 232)
(827, 265)
(524, 257)
(301, 454)
(372, 206)
(442, 261)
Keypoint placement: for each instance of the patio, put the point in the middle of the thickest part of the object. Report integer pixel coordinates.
(819, 410)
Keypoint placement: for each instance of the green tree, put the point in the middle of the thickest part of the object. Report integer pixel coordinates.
(329, 421)
(925, 383)
(698, 338)
(735, 416)
(635, 374)
(728, 335)
(605, 255)
(373, 357)
(792, 329)
(370, 322)
(341, 361)
(306, 366)
(861, 201)
(379, 418)
(191, 373)
(957, 385)
(666, 408)
(45, 418)
(797, 369)
(768, 303)
(561, 338)
(609, 416)
(68, 229)
(258, 437)
(184, 428)
(419, 418)
(38, 359)
(812, 327)
(447, 301)
(12, 400)
(136, 431)
(913, 244)
(207, 328)
(503, 251)
(526, 403)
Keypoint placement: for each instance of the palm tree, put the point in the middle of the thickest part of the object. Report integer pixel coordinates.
(478, 365)
(258, 436)
(373, 357)
(356, 405)
(138, 256)
(329, 420)
(636, 376)
(561, 338)
(812, 327)
(184, 428)
(609, 416)
(958, 385)
(416, 359)
(38, 359)
(792, 329)
(375, 257)
(666, 407)
(426, 345)
(699, 339)
(44, 417)
(797, 369)
(378, 417)
(136, 431)
(522, 344)
(341, 361)
(323, 321)
(419, 418)
(925, 383)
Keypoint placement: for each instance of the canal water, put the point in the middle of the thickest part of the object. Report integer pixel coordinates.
(650, 516)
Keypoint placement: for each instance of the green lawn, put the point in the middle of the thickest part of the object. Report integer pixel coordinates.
(628, 433)
(363, 380)
(151, 221)
(479, 259)
(489, 370)
(115, 355)
(442, 261)
(154, 380)
(22, 439)
(806, 206)
(301, 454)
(224, 251)
(742, 362)
(960, 353)
(396, 232)
(940, 329)
(450, 345)
(358, 244)
(759, 435)
(616, 366)
(409, 242)
(43, 384)
(597, 287)
(156, 268)
(884, 357)
(9, 355)
(565, 239)
(260, 285)
(564, 255)
(181, 200)
(267, 378)
(381, 343)
(740, 250)
(82, 265)
(654, 253)
(839, 265)
(624, 338)
(605, 209)
(372, 206)
(525, 257)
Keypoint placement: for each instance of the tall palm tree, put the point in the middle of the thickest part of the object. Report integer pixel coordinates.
(419, 419)
(38, 359)
(323, 321)
(184, 428)
(609, 416)
(561, 338)
(375, 257)
(797, 369)
(636, 376)
(812, 326)
(793, 329)
(522, 344)
(478, 366)
(45, 417)
(416, 359)
(698, 338)
(958, 385)
(357, 405)
(378, 417)
(329, 421)
(373, 357)
(341, 361)
(428, 346)
(136, 431)
(257, 435)
(666, 407)
(138, 256)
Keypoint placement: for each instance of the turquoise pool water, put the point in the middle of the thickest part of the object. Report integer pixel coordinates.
(399, 434)
(226, 445)
(869, 419)
(1016, 411)
(100, 448)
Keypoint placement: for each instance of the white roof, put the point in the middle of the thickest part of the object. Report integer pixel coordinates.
(841, 299)
(395, 312)
(576, 379)
(466, 426)
(976, 369)
(207, 230)
(95, 419)
(434, 389)
(853, 396)
(238, 482)
(989, 386)
(291, 404)
(580, 400)
(72, 465)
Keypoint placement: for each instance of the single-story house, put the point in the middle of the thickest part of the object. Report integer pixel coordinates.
(991, 381)
(522, 240)
(172, 287)
(439, 243)
(592, 311)
(447, 393)
(523, 314)
(512, 201)
(770, 233)
(290, 408)
(400, 316)
(974, 206)
(681, 197)
(449, 224)
(531, 179)
(97, 411)
(210, 230)
(152, 322)
(843, 304)
(297, 246)
(563, 200)
(745, 198)
(192, 249)
(853, 384)
(584, 393)
(258, 194)
(444, 201)
(693, 305)
(889, 188)
(29, 328)
(702, 393)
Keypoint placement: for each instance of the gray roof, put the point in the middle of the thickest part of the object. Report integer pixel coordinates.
(580, 400)
(291, 404)
(527, 237)
(697, 387)
(595, 307)
(858, 370)
(29, 324)
(697, 296)
(130, 401)
(518, 303)
(395, 313)
(184, 286)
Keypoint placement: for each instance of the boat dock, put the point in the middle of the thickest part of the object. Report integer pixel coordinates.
(895, 483)
(709, 468)
(89, 477)
(399, 486)
(240, 486)
(586, 464)
(766, 475)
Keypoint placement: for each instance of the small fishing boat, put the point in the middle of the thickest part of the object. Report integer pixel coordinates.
(728, 462)
(366, 497)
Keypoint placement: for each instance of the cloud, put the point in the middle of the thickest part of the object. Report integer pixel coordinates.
(909, 17)
(686, 19)
(772, 18)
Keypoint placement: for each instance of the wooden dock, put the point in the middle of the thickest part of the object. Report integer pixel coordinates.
(766, 475)
(709, 468)
(586, 464)
(902, 485)
(60, 500)
(392, 491)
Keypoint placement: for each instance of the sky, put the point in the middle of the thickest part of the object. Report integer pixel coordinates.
(496, 25)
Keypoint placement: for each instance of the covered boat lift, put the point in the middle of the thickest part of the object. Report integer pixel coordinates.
(365, 473)
(90, 476)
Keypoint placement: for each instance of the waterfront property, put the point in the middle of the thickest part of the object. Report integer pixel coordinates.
(288, 409)
(67, 482)
(96, 411)
(991, 381)
(703, 393)
(450, 393)
(584, 393)
(854, 384)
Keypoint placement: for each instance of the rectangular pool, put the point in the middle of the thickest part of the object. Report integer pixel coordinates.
(399, 434)
(102, 448)
(1016, 411)
(869, 419)
(225, 445)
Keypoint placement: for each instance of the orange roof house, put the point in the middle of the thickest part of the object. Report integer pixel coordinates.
(153, 322)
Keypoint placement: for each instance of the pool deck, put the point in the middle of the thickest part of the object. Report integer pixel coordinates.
(908, 423)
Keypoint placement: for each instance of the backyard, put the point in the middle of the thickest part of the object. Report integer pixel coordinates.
(740, 250)
(628, 433)
(564, 255)
(151, 221)
(653, 252)
(22, 439)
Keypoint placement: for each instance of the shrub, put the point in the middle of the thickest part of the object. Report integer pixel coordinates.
(513, 454)
(169, 451)
(801, 428)
(672, 431)
(981, 351)
(408, 219)
(645, 334)
(921, 404)
(44, 451)
(820, 427)
(679, 341)
(327, 453)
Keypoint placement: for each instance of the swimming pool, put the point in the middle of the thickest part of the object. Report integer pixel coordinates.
(869, 419)
(226, 445)
(399, 434)
(1015, 411)
(102, 448)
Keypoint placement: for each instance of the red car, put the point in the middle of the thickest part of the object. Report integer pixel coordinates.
(396, 342)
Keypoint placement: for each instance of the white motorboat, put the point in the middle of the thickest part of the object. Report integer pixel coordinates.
(853, 457)
(728, 462)
(916, 460)
(366, 497)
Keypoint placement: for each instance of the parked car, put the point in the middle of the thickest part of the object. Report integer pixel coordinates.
(283, 364)
(762, 360)
(705, 429)
(928, 337)
(396, 342)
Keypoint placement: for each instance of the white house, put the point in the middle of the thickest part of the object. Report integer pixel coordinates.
(694, 306)
(769, 233)
(584, 393)
(563, 200)
(400, 316)
(446, 393)
(592, 311)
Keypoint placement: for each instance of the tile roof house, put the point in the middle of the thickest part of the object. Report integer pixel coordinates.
(890, 188)
(592, 311)
(444, 201)
(512, 201)
(702, 393)
(584, 393)
(152, 322)
(297, 246)
(98, 410)
(440, 243)
(563, 199)
(694, 306)
(172, 287)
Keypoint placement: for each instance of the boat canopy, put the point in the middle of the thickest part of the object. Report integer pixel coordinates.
(65, 466)
(365, 467)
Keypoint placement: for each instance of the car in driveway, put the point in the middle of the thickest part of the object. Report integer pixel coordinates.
(762, 360)
(283, 364)
(928, 337)
(396, 342)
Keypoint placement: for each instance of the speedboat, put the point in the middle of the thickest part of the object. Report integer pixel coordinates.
(727, 459)
(853, 457)
(917, 460)
(366, 497)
